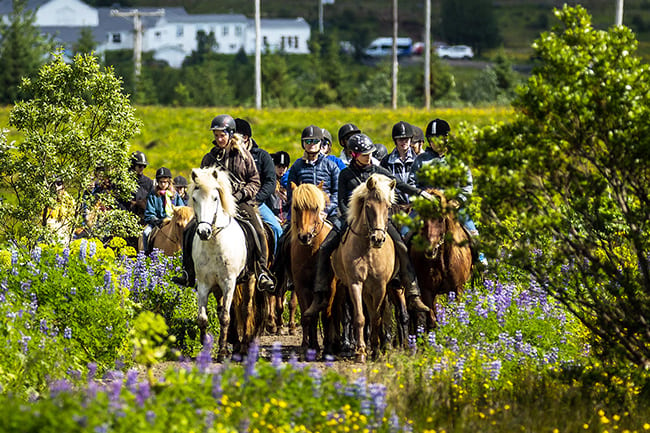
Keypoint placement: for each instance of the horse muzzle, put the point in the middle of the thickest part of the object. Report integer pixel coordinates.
(305, 238)
(431, 253)
(377, 240)
(204, 231)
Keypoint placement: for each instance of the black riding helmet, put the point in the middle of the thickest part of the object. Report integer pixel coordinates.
(418, 134)
(402, 130)
(138, 158)
(346, 131)
(311, 132)
(224, 122)
(243, 127)
(380, 151)
(281, 158)
(327, 137)
(163, 172)
(361, 143)
(437, 128)
(180, 181)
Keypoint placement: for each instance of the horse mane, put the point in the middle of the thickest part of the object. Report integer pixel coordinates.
(214, 178)
(183, 212)
(383, 190)
(309, 196)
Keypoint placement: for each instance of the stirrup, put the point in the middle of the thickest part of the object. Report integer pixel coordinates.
(265, 283)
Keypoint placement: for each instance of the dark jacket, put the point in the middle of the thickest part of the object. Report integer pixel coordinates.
(355, 175)
(323, 169)
(400, 169)
(266, 170)
(239, 163)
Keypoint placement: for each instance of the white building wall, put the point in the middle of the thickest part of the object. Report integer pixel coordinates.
(67, 13)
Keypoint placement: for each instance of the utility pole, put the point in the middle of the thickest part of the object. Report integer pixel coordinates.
(394, 93)
(427, 54)
(258, 56)
(137, 33)
(619, 13)
(320, 12)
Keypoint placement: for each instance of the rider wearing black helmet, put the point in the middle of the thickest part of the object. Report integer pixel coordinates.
(180, 184)
(345, 132)
(400, 160)
(160, 202)
(326, 149)
(229, 153)
(360, 169)
(138, 200)
(380, 152)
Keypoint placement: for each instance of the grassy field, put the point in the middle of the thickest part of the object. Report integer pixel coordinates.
(179, 137)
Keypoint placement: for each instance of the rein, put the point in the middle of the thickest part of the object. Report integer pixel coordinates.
(369, 228)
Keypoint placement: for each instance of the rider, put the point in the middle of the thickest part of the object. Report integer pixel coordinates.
(437, 134)
(345, 132)
(230, 153)
(266, 170)
(417, 142)
(160, 202)
(326, 149)
(360, 169)
(277, 201)
(180, 184)
(138, 200)
(400, 160)
(314, 168)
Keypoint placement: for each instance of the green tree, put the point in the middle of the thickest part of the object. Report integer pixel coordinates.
(74, 118)
(470, 22)
(565, 186)
(206, 45)
(86, 43)
(22, 50)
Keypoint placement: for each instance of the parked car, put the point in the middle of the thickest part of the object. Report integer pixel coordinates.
(454, 52)
(384, 47)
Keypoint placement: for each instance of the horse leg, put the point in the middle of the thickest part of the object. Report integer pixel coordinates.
(293, 306)
(202, 315)
(358, 320)
(224, 320)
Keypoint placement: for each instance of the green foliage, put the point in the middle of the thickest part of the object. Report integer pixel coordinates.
(470, 22)
(61, 310)
(74, 119)
(22, 50)
(565, 191)
(149, 339)
(86, 43)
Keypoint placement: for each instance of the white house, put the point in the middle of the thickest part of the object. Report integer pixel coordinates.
(171, 37)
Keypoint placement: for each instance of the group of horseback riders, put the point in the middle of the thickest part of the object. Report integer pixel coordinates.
(261, 185)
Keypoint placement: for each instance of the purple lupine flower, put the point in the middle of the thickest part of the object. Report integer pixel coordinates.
(217, 390)
(142, 393)
(43, 326)
(151, 417)
(412, 342)
(494, 368)
(244, 424)
(44, 276)
(60, 386)
(276, 354)
(317, 379)
(73, 291)
(131, 379)
(36, 254)
(82, 250)
(92, 370)
(108, 282)
(251, 359)
(33, 305)
(204, 359)
(459, 369)
(92, 249)
(462, 314)
(310, 356)
(24, 342)
(329, 361)
(25, 286)
(393, 423)
(73, 373)
(377, 394)
(67, 333)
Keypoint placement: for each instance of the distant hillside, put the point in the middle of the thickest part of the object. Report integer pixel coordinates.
(521, 21)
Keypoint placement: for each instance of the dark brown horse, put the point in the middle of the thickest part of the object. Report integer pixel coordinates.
(444, 264)
(308, 231)
(365, 260)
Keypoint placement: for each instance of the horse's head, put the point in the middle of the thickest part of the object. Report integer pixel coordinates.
(182, 216)
(212, 200)
(307, 205)
(370, 203)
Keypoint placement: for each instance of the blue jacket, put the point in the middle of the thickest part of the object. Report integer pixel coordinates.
(429, 156)
(155, 213)
(323, 169)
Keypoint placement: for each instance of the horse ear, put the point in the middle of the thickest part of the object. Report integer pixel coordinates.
(194, 175)
(320, 185)
(293, 186)
(371, 183)
(215, 173)
(393, 184)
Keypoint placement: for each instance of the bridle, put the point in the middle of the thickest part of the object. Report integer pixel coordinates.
(213, 226)
(369, 228)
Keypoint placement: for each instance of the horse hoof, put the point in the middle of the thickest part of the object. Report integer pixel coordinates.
(292, 330)
(361, 358)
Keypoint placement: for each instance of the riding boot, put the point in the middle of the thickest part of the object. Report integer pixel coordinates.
(407, 273)
(280, 266)
(265, 282)
(188, 276)
(324, 274)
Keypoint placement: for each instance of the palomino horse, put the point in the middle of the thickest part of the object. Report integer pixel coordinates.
(169, 237)
(365, 260)
(220, 254)
(441, 256)
(308, 231)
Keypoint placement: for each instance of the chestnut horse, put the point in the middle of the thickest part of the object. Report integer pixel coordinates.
(308, 231)
(364, 262)
(444, 264)
(169, 238)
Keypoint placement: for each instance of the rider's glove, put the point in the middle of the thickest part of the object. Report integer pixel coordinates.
(426, 195)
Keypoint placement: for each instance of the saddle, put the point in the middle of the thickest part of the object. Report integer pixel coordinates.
(252, 242)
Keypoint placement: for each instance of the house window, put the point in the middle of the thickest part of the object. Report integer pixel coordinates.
(238, 31)
(179, 31)
(117, 38)
(158, 35)
(225, 30)
(295, 41)
(282, 42)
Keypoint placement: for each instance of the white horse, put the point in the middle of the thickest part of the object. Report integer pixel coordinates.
(219, 253)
